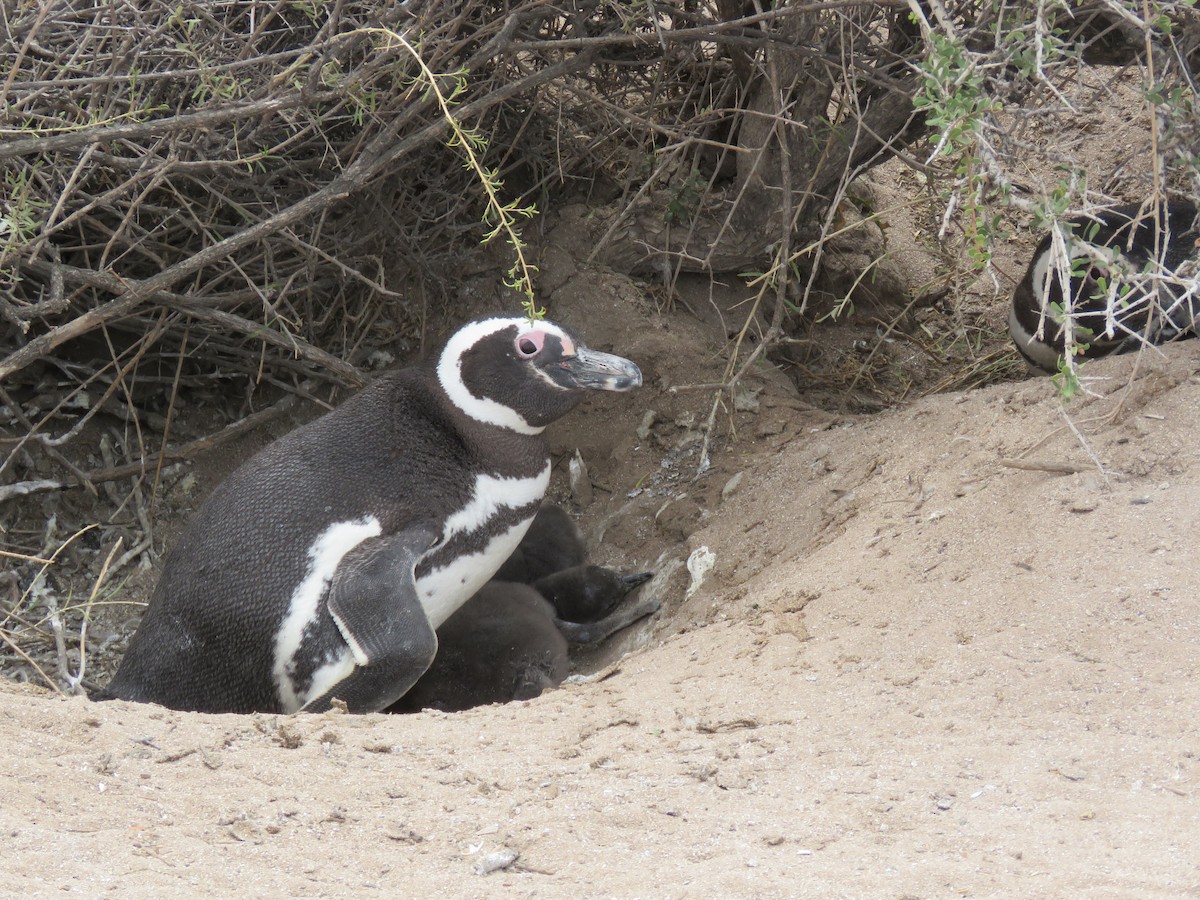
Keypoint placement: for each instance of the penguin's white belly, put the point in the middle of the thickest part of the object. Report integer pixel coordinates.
(443, 590)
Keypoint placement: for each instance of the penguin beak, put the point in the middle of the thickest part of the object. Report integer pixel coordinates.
(593, 370)
(629, 582)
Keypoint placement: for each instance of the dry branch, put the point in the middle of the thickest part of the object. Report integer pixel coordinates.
(250, 192)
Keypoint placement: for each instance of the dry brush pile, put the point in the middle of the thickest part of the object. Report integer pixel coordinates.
(209, 206)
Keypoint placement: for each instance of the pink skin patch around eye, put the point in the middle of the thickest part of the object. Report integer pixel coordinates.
(536, 338)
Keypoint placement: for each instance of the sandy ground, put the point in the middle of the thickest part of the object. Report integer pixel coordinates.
(914, 670)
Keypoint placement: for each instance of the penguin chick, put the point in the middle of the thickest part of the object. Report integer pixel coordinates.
(552, 543)
(588, 600)
(508, 643)
(587, 593)
(501, 645)
(320, 569)
(1130, 233)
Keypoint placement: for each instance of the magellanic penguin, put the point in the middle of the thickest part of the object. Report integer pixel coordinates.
(509, 642)
(320, 569)
(1132, 280)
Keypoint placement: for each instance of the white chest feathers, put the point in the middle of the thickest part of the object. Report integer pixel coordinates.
(449, 585)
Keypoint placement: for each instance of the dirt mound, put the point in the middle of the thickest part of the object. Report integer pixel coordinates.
(924, 661)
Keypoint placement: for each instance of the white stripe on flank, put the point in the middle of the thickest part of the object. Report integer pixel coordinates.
(1042, 354)
(328, 675)
(324, 556)
(484, 409)
(490, 494)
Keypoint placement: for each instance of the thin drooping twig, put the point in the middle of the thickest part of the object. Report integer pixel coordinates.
(75, 682)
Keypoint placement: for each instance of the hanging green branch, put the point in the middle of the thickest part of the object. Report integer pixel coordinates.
(501, 217)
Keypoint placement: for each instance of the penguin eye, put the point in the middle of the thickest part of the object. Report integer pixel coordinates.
(529, 345)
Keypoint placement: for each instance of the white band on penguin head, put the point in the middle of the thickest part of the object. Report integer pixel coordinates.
(484, 409)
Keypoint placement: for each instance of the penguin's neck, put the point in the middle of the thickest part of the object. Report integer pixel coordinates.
(507, 451)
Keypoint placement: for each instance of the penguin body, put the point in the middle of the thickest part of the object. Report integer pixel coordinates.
(1131, 232)
(321, 568)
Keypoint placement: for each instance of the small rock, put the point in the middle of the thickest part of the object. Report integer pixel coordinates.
(746, 399)
(494, 862)
(288, 737)
(185, 485)
(731, 486)
(402, 834)
(581, 482)
(699, 564)
(643, 430)
(246, 832)
(379, 359)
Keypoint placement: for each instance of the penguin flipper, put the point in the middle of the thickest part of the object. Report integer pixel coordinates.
(373, 600)
(623, 617)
